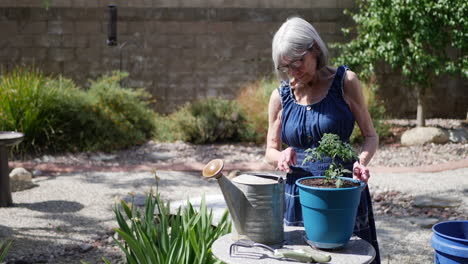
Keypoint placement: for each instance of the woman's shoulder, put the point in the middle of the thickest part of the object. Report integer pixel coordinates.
(350, 78)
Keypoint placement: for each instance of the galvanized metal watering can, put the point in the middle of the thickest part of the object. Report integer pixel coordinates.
(255, 202)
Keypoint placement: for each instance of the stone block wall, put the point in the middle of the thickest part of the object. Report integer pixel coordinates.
(180, 50)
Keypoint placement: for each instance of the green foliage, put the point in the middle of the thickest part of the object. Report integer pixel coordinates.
(331, 146)
(377, 111)
(216, 120)
(165, 129)
(123, 116)
(25, 97)
(206, 121)
(155, 236)
(254, 99)
(105, 117)
(56, 115)
(412, 35)
(423, 39)
(4, 250)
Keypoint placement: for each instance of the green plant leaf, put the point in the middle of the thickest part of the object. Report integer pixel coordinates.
(133, 244)
(4, 247)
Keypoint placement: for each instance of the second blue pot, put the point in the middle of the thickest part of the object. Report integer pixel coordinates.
(329, 213)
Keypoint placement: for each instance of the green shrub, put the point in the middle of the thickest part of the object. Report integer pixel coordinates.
(207, 121)
(156, 236)
(56, 115)
(377, 112)
(24, 100)
(254, 99)
(166, 130)
(119, 117)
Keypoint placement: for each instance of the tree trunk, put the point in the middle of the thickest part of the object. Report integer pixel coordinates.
(421, 109)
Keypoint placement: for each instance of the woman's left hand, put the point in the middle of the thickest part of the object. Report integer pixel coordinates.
(360, 172)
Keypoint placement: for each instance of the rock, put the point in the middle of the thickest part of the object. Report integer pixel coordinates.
(103, 157)
(156, 156)
(85, 248)
(424, 135)
(232, 174)
(110, 231)
(48, 158)
(37, 173)
(458, 135)
(434, 202)
(423, 222)
(20, 179)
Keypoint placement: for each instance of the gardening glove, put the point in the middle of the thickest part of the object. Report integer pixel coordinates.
(360, 172)
(287, 157)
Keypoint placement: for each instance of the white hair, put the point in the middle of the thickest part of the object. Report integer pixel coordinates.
(292, 40)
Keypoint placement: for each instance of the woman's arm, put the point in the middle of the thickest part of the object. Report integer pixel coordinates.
(355, 98)
(273, 154)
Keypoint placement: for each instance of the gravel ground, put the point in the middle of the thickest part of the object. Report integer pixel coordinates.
(69, 217)
(389, 154)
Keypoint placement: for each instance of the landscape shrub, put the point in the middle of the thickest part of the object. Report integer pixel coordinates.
(56, 115)
(25, 97)
(254, 99)
(377, 111)
(123, 116)
(156, 236)
(210, 120)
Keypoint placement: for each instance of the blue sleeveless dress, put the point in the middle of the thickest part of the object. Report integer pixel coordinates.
(302, 127)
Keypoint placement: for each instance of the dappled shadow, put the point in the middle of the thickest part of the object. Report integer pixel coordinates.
(61, 238)
(52, 206)
(444, 206)
(114, 180)
(5, 232)
(64, 253)
(398, 239)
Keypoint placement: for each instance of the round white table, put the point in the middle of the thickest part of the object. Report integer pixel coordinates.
(356, 251)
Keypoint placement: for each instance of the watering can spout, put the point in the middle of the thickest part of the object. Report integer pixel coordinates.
(233, 196)
(213, 169)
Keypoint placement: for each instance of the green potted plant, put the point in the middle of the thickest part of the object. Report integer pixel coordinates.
(329, 203)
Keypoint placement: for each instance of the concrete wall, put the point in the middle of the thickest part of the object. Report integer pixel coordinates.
(180, 50)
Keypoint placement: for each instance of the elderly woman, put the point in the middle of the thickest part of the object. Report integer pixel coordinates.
(314, 99)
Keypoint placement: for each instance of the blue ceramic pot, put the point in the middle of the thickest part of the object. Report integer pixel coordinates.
(329, 213)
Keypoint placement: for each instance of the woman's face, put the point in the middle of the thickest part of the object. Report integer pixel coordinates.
(305, 68)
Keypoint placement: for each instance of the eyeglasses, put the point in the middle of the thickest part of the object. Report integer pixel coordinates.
(293, 65)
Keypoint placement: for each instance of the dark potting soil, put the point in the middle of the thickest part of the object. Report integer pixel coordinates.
(320, 183)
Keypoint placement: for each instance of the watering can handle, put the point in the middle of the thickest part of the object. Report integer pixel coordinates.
(213, 169)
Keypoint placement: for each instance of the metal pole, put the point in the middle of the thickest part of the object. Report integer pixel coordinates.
(5, 191)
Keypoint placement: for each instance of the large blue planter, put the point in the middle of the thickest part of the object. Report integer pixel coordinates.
(329, 213)
(450, 242)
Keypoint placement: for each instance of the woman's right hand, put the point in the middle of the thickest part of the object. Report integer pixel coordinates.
(287, 157)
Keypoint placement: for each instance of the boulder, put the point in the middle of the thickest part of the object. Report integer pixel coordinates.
(20, 179)
(424, 135)
(458, 135)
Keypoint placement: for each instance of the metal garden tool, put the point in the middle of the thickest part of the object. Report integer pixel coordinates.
(297, 254)
(255, 202)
